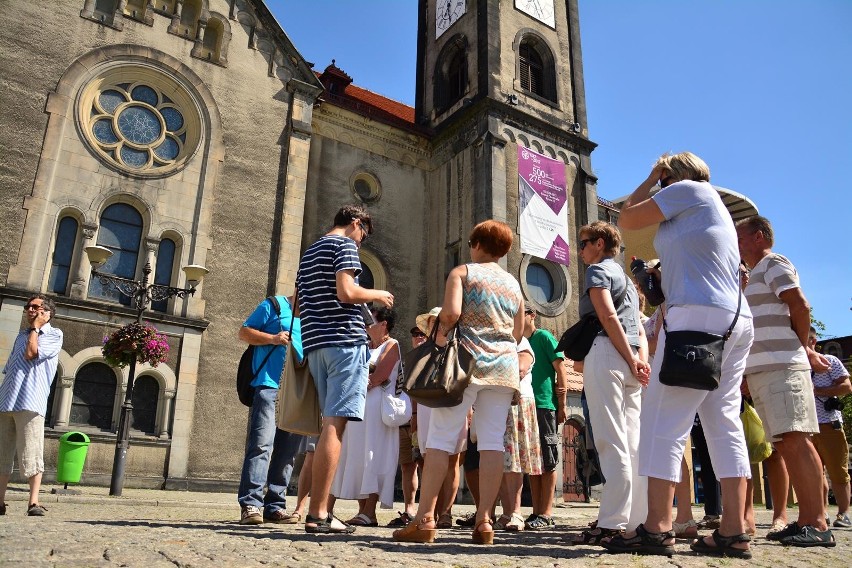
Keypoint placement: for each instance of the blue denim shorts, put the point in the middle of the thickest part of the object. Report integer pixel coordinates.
(340, 374)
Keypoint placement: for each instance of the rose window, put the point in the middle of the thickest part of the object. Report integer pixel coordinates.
(138, 127)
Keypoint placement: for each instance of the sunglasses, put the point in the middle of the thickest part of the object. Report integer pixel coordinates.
(37, 307)
(583, 242)
(418, 334)
(364, 232)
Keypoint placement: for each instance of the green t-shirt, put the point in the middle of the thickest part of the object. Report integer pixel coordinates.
(543, 374)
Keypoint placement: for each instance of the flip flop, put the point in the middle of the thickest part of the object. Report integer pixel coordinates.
(362, 520)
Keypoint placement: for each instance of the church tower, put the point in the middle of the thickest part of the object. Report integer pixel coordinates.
(495, 77)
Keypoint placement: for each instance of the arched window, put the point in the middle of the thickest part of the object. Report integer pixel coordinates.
(163, 274)
(49, 419)
(536, 68)
(121, 232)
(94, 396)
(213, 39)
(146, 393)
(63, 254)
(189, 15)
(451, 74)
(105, 10)
(365, 279)
(138, 10)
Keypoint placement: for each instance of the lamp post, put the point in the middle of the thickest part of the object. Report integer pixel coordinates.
(142, 294)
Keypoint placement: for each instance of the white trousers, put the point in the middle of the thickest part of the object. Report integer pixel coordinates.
(615, 400)
(491, 407)
(668, 412)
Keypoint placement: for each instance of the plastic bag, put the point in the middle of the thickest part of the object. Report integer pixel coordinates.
(758, 448)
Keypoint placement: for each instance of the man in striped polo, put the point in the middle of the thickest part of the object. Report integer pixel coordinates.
(334, 340)
(23, 398)
(778, 371)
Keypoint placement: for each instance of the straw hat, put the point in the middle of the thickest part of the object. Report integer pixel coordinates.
(422, 321)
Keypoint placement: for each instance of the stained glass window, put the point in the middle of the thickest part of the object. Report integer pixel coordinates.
(120, 231)
(63, 253)
(137, 126)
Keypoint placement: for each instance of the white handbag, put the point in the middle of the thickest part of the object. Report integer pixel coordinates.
(396, 408)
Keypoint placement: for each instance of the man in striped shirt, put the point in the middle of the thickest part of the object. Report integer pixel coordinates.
(778, 371)
(23, 398)
(334, 341)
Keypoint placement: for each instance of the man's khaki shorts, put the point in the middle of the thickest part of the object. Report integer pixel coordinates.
(834, 453)
(784, 400)
(22, 431)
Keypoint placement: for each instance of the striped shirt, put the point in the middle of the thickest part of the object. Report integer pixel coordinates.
(26, 385)
(326, 321)
(776, 346)
(836, 370)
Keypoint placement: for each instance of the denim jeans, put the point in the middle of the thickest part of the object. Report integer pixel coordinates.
(270, 455)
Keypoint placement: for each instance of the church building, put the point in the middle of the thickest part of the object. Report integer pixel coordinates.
(192, 132)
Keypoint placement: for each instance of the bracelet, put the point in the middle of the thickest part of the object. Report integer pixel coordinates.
(33, 329)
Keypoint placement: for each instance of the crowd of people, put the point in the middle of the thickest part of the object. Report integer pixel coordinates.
(715, 275)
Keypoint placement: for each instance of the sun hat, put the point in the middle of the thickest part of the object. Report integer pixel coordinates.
(422, 321)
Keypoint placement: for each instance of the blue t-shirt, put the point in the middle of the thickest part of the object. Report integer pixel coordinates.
(326, 321)
(609, 274)
(264, 319)
(697, 244)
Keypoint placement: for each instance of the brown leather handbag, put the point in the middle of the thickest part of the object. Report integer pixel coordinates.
(437, 376)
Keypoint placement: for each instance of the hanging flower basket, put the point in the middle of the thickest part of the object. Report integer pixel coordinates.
(141, 342)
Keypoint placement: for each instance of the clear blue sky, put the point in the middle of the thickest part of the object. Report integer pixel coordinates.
(761, 89)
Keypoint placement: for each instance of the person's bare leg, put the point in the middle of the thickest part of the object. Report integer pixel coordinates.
(733, 503)
(490, 476)
(748, 516)
(35, 485)
(536, 492)
(409, 487)
(434, 474)
(304, 484)
(660, 496)
(471, 478)
(450, 488)
(326, 457)
(510, 492)
(779, 485)
(369, 506)
(841, 495)
(548, 491)
(804, 467)
(683, 494)
(4, 483)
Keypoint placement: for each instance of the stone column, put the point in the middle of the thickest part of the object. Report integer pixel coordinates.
(298, 150)
(80, 280)
(184, 404)
(174, 27)
(64, 398)
(198, 48)
(163, 426)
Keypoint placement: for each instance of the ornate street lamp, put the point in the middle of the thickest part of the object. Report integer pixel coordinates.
(142, 294)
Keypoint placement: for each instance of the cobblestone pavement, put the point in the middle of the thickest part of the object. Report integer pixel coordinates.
(149, 528)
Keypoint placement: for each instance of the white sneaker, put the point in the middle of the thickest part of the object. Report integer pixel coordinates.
(250, 515)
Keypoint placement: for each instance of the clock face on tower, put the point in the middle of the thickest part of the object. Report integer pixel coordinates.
(446, 14)
(541, 10)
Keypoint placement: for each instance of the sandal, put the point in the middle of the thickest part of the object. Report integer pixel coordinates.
(445, 521)
(689, 529)
(414, 532)
(594, 536)
(401, 521)
(516, 523)
(483, 537)
(324, 526)
(502, 522)
(643, 542)
(723, 546)
(362, 520)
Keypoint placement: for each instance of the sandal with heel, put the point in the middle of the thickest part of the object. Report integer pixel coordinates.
(483, 537)
(414, 532)
(723, 546)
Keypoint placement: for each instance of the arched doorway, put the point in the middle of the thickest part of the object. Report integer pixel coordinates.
(573, 488)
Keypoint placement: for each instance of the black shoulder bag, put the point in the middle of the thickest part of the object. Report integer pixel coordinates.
(577, 340)
(245, 372)
(693, 359)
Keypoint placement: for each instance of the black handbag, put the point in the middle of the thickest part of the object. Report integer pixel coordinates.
(693, 359)
(577, 340)
(437, 376)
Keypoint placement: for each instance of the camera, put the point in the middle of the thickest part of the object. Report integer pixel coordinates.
(833, 403)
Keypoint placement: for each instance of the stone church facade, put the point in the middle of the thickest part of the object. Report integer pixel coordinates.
(178, 132)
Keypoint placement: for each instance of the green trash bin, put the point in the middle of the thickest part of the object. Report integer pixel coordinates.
(72, 455)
